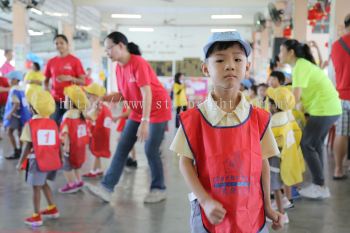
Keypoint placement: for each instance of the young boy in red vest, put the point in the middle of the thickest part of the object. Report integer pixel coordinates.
(99, 122)
(74, 137)
(224, 144)
(41, 153)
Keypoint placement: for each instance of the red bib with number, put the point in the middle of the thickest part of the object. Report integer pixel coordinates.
(78, 138)
(46, 144)
(229, 166)
(100, 133)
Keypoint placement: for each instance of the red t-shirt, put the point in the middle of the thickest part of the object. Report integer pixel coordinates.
(68, 65)
(3, 95)
(341, 61)
(88, 81)
(134, 75)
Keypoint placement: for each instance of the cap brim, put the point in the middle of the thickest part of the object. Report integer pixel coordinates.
(245, 45)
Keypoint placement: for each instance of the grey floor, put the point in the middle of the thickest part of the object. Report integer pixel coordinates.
(83, 213)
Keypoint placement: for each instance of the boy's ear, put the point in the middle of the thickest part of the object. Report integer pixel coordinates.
(248, 66)
(205, 69)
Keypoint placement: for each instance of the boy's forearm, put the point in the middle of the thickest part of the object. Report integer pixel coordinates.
(188, 171)
(14, 108)
(266, 183)
(26, 151)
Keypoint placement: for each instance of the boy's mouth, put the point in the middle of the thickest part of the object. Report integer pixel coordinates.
(230, 76)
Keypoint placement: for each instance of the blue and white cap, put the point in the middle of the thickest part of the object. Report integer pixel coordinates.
(18, 75)
(226, 37)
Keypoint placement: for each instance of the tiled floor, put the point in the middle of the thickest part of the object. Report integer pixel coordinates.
(83, 213)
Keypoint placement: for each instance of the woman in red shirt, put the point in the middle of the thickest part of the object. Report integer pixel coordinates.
(63, 70)
(150, 110)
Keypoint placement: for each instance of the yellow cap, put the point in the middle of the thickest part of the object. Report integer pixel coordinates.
(31, 89)
(95, 89)
(283, 97)
(43, 103)
(78, 96)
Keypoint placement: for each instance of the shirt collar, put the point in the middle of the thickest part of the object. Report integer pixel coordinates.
(216, 114)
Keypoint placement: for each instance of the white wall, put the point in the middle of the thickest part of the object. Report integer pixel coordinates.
(174, 43)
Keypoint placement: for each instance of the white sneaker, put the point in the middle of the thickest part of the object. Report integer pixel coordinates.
(285, 218)
(325, 192)
(285, 203)
(99, 191)
(155, 196)
(315, 192)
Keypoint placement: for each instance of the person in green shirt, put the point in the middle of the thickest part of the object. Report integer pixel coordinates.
(316, 92)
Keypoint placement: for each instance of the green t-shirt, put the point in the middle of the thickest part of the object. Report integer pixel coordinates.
(319, 97)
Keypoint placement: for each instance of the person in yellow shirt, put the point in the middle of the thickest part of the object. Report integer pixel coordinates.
(35, 76)
(287, 167)
(180, 99)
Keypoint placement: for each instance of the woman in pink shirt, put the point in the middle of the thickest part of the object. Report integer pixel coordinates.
(150, 110)
(7, 67)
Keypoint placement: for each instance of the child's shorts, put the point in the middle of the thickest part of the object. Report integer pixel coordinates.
(15, 123)
(275, 174)
(196, 220)
(35, 177)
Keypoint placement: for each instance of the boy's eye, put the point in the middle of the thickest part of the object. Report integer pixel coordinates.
(219, 60)
(238, 60)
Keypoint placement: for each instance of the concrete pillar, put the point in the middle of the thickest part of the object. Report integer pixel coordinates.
(21, 40)
(96, 57)
(339, 9)
(300, 12)
(68, 30)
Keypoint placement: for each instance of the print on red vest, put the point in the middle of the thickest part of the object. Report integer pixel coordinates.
(78, 138)
(229, 166)
(46, 144)
(100, 133)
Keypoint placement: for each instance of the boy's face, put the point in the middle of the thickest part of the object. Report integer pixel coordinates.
(227, 68)
(285, 56)
(9, 55)
(273, 82)
(92, 98)
(273, 108)
(14, 82)
(262, 92)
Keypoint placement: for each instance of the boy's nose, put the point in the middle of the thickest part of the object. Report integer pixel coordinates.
(229, 66)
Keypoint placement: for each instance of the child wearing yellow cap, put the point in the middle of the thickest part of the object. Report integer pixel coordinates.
(286, 168)
(74, 137)
(42, 153)
(99, 121)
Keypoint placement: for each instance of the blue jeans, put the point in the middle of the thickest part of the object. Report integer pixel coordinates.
(127, 140)
(59, 112)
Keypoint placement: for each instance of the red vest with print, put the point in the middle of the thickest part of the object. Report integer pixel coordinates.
(229, 166)
(46, 144)
(101, 132)
(78, 138)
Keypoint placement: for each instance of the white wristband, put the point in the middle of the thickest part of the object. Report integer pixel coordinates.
(145, 119)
